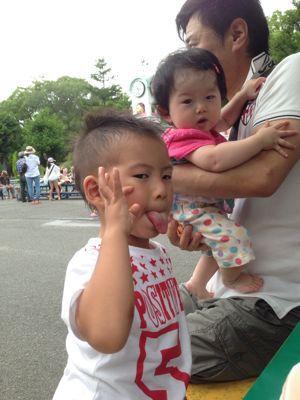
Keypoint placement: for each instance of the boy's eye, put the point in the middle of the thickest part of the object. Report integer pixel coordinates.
(167, 177)
(187, 101)
(141, 176)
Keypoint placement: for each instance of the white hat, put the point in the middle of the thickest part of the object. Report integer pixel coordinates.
(50, 159)
(29, 150)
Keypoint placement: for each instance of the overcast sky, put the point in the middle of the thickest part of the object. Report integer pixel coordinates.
(47, 39)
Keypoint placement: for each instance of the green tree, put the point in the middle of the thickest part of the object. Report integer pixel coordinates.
(103, 73)
(63, 102)
(11, 139)
(108, 95)
(45, 132)
(285, 32)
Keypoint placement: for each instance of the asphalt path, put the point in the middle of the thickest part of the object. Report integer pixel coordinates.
(36, 243)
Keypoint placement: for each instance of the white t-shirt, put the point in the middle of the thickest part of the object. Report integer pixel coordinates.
(274, 222)
(33, 163)
(156, 360)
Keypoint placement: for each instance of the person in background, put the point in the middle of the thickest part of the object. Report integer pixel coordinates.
(32, 175)
(7, 188)
(127, 334)
(233, 336)
(188, 88)
(52, 175)
(21, 168)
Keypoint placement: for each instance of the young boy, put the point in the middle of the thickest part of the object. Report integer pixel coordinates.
(127, 335)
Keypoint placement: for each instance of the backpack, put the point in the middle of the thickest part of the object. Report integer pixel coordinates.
(24, 168)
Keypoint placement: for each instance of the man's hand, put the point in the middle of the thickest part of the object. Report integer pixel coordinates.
(185, 238)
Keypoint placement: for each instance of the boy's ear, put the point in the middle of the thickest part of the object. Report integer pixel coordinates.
(91, 191)
(164, 114)
(239, 34)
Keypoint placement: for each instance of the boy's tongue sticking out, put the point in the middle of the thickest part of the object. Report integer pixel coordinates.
(159, 220)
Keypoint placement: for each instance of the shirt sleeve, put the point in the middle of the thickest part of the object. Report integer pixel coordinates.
(279, 97)
(79, 271)
(184, 141)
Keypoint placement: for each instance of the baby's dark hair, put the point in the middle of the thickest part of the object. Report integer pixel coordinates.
(99, 142)
(195, 59)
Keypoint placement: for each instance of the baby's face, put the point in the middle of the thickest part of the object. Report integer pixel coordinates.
(195, 101)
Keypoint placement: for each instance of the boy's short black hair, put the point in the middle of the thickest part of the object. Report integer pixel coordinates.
(196, 59)
(219, 14)
(97, 145)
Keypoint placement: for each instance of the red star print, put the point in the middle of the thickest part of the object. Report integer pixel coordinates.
(144, 278)
(161, 260)
(154, 274)
(131, 259)
(153, 262)
(162, 272)
(134, 268)
(143, 265)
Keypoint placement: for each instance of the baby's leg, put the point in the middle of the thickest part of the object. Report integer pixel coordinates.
(243, 282)
(204, 270)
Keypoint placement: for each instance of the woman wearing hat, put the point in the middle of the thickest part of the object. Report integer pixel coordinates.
(32, 175)
(52, 174)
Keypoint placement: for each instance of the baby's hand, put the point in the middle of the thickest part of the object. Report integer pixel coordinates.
(252, 87)
(273, 137)
(117, 214)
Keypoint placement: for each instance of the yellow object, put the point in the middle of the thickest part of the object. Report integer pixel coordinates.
(219, 391)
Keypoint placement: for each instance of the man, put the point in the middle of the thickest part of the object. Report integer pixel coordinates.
(233, 336)
(21, 169)
(32, 175)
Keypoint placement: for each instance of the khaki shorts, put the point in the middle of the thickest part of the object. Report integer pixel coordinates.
(233, 338)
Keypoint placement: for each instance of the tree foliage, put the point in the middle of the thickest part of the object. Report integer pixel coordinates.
(45, 132)
(285, 32)
(10, 137)
(48, 114)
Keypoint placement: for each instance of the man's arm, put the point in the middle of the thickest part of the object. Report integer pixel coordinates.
(259, 177)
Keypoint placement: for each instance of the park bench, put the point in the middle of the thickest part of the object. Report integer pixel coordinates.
(68, 191)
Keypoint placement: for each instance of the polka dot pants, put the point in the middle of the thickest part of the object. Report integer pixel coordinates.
(229, 242)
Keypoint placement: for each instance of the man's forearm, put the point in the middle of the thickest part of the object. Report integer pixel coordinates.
(259, 177)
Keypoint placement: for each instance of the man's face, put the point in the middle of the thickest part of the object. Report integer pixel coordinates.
(199, 35)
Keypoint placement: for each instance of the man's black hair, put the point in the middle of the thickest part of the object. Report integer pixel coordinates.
(219, 14)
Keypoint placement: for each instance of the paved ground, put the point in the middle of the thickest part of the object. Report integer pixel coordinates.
(36, 243)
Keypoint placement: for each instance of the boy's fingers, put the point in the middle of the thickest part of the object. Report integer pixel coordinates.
(136, 210)
(117, 187)
(127, 190)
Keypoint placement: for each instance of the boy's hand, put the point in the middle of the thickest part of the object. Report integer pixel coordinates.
(116, 211)
(272, 137)
(252, 87)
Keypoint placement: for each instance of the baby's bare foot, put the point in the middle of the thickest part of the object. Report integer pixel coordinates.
(199, 292)
(245, 283)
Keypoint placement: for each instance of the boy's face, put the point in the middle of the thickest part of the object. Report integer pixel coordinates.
(144, 164)
(195, 101)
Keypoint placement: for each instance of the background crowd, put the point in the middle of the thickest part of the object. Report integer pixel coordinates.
(30, 182)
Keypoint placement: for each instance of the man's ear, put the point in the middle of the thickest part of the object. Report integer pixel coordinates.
(239, 34)
(91, 191)
(164, 114)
